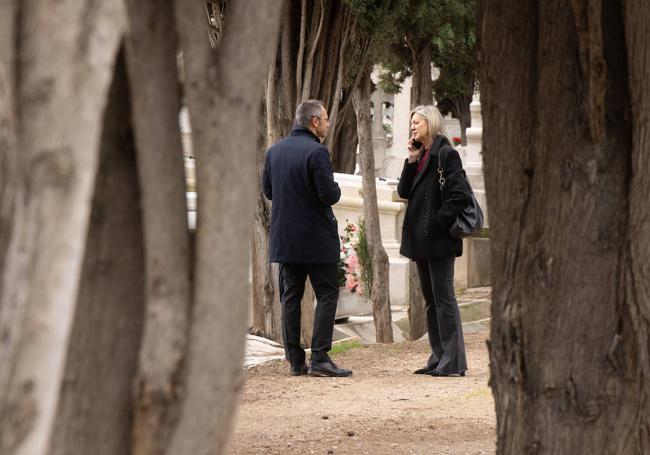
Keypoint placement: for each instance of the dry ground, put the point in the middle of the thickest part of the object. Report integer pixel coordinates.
(382, 409)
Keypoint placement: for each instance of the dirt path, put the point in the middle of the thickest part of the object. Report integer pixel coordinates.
(382, 409)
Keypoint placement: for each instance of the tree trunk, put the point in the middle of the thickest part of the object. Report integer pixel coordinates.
(637, 268)
(569, 346)
(422, 88)
(151, 56)
(320, 9)
(417, 309)
(465, 119)
(307, 315)
(379, 295)
(283, 84)
(338, 87)
(95, 412)
(8, 152)
(301, 45)
(267, 311)
(224, 90)
(344, 150)
(62, 96)
(419, 96)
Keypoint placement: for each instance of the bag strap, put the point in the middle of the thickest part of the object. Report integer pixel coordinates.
(441, 178)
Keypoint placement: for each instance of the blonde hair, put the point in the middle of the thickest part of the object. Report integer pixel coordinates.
(433, 118)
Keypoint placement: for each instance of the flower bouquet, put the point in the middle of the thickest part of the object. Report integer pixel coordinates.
(354, 264)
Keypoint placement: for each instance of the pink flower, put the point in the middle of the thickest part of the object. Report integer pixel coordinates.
(352, 262)
(351, 282)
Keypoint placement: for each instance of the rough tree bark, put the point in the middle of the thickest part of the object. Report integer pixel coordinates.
(346, 16)
(66, 53)
(282, 89)
(318, 33)
(379, 295)
(151, 56)
(321, 10)
(460, 110)
(344, 149)
(416, 310)
(637, 264)
(307, 315)
(569, 348)
(94, 414)
(8, 152)
(465, 118)
(422, 88)
(267, 311)
(223, 89)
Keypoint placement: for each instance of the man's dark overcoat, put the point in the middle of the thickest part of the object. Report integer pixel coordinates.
(299, 180)
(425, 232)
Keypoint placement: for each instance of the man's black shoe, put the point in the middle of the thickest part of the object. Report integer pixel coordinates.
(299, 370)
(328, 368)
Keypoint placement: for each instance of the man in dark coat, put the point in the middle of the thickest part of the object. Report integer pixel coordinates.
(298, 178)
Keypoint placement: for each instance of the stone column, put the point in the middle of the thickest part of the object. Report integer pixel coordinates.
(473, 268)
(378, 133)
(472, 157)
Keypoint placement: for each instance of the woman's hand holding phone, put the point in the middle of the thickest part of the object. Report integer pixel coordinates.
(414, 149)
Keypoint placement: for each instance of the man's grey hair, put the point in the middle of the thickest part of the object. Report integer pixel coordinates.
(308, 110)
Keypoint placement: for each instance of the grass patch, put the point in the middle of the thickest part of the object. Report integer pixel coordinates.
(484, 233)
(345, 346)
(483, 392)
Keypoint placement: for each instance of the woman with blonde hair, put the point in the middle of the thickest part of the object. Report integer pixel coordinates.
(425, 234)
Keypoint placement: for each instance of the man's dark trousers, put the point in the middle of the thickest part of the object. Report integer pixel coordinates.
(324, 280)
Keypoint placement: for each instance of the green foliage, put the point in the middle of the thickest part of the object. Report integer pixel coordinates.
(415, 25)
(484, 233)
(340, 273)
(363, 253)
(339, 348)
(448, 27)
(374, 29)
(373, 17)
(454, 53)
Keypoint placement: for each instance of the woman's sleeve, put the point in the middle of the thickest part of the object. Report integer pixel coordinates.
(458, 191)
(406, 179)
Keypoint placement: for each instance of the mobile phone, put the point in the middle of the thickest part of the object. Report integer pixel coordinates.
(416, 145)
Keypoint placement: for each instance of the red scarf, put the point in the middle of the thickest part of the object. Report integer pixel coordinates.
(423, 160)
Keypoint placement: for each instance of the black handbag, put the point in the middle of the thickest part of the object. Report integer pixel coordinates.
(470, 220)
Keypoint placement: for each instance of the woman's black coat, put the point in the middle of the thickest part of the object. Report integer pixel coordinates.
(425, 233)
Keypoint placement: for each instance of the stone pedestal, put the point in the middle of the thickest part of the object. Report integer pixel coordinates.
(350, 304)
(473, 162)
(391, 216)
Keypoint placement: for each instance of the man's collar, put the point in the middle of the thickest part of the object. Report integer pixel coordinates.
(304, 131)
